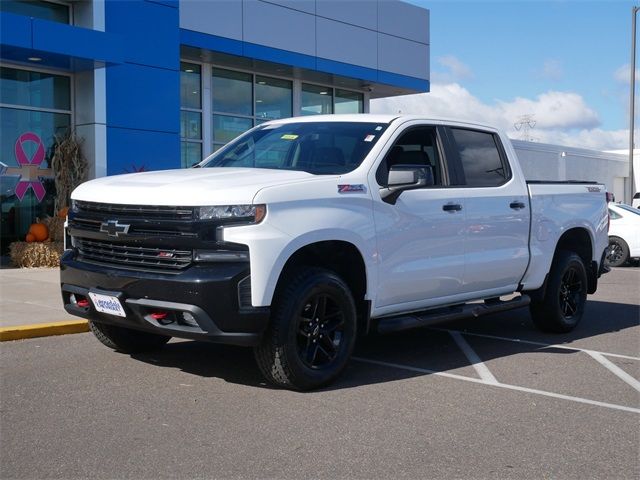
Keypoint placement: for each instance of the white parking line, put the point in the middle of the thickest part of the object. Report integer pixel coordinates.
(611, 406)
(540, 344)
(613, 368)
(480, 368)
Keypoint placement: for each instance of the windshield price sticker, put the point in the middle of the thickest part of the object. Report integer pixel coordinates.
(369, 138)
(289, 136)
(107, 304)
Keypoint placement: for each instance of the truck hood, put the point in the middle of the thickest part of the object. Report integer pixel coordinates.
(189, 187)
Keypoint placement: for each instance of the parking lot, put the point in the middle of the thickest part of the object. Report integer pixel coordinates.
(486, 398)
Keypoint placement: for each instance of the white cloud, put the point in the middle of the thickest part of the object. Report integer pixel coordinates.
(561, 117)
(623, 74)
(453, 70)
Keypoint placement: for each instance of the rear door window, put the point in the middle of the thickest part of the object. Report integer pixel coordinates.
(481, 158)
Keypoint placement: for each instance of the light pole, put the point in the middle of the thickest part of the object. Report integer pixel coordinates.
(632, 102)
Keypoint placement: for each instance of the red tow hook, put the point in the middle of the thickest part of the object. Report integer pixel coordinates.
(159, 315)
(82, 303)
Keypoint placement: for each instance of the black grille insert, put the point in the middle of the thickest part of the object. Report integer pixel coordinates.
(132, 257)
(146, 211)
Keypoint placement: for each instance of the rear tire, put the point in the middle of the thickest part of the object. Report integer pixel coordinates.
(562, 306)
(126, 340)
(312, 331)
(618, 253)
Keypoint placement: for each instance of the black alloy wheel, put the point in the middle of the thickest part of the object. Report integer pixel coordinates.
(571, 291)
(618, 252)
(320, 330)
(312, 330)
(561, 307)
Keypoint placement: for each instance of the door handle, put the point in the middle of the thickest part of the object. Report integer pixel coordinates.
(516, 205)
(452, 207)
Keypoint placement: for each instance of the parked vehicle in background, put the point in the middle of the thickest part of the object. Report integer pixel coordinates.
(624, 234)
(635, 203)
(302, 233)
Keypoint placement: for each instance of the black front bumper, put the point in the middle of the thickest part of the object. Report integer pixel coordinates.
(203, 302)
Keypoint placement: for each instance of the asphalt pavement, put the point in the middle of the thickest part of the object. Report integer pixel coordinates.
(486, 398)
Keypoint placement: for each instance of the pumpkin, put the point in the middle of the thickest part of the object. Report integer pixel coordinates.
(39, 231)
(63, 212)
(30, 238)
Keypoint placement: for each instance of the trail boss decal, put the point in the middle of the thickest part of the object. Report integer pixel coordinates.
(593, 189)
(351, 188)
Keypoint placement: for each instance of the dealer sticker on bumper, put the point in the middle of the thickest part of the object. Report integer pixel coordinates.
(107, 304)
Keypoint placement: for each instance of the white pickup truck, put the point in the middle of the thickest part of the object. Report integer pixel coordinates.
(303, 233)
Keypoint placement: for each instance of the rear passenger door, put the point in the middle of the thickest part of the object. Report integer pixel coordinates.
(497, 213)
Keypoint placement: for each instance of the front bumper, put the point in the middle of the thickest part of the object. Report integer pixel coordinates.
(203, 302)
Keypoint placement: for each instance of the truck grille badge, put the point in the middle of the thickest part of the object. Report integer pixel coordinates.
(113, 228)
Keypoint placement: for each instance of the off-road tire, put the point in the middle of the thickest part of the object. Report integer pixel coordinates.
(618, 252)
(562, 306)
(286, 355)
(126, 340)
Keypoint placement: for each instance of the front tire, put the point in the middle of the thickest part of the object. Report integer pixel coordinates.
(618, 253)
(312, 331)
(562, 306)
(126, 340)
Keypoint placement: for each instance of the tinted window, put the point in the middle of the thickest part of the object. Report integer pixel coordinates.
(416, 146)
(481, 161)
(614, 215)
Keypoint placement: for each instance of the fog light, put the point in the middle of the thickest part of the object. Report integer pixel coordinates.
(189, 319)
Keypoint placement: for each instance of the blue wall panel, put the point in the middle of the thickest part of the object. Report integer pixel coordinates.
(130, 150)
(144, 98)
(151, 31)
(77, 42)
(143, 94)
(15, 30)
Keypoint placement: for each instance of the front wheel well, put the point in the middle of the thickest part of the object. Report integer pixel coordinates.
(340, 257)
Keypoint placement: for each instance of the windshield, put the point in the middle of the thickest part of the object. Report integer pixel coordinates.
(629, 209)
(321, 148)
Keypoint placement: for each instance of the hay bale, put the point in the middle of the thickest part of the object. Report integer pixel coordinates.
(36, 254)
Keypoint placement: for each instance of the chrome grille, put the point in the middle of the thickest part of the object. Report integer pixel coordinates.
(137, 258)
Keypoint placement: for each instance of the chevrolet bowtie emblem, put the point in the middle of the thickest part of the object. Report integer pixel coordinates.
(113, 228)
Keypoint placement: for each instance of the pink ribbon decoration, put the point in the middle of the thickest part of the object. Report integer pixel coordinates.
(32, 165)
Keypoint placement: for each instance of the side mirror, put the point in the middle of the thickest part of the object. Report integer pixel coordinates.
(406, 177)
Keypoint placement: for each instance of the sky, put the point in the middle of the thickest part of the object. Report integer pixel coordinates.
(566, 63)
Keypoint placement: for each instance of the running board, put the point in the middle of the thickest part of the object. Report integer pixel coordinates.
(430, 317)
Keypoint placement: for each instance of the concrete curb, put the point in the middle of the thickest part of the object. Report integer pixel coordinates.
(20, 332)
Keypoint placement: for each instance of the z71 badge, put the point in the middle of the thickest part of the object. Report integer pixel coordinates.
(351, 188)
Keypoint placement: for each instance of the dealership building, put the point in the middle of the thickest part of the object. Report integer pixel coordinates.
(157, 84)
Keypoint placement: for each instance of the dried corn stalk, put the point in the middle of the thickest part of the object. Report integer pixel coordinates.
(69, 166)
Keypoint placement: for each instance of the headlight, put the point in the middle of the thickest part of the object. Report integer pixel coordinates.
(244, 213)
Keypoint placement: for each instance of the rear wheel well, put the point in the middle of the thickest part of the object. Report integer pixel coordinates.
(578, 240)
(345, 260)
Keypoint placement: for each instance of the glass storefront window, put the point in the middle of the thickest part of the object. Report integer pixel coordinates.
(316, 100)
(273, 98)
(231, 92)
(226, 128)
(349, 102)
(190, 113)
(190, 86)
(190, 125)
(27, 142)
(34, 89)
(55, 12)
(191, 153)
